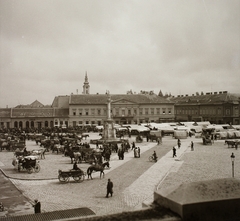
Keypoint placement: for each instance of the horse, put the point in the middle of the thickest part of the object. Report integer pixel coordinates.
(4, 145)
(75, 156)
(57, 148)
(98, 167)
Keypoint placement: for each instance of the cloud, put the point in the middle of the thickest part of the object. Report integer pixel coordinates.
(139, 45)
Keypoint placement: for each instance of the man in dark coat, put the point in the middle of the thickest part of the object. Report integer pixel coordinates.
(174, 152)
(37, 206)
(109, 188)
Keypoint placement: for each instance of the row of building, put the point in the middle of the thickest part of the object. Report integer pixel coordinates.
(91, 109)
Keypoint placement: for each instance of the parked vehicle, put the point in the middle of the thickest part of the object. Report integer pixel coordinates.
(28, 163)
(77, 175)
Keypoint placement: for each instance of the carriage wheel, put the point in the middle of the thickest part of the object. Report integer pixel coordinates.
(37, 168)
(150, 158)
(78, 178)
(30, 170)
(63, 178)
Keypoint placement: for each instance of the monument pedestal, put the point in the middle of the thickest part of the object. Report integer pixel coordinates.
(109, 133)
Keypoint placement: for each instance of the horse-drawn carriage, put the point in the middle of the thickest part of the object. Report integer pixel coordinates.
(77, 175)
(207, 135)
(28, 163)
(232, 143)
(139, 139)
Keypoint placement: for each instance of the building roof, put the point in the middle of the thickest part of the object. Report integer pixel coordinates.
(35, 104)
(61, 102)
(102, 98)
(208, 98)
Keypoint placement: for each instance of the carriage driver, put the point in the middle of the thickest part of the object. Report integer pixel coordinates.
(75, 167)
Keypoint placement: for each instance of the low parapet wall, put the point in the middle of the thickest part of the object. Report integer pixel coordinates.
(205, 200)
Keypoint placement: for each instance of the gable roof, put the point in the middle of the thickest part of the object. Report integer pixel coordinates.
(34, 104)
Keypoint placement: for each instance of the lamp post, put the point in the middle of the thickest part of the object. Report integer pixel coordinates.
(232, 158)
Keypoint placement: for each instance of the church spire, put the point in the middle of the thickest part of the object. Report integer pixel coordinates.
(86, 86)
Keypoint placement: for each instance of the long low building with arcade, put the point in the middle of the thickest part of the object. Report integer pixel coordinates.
(130, 108)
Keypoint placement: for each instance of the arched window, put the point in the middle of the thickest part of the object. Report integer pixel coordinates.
(20, 124)
(46, 124)
(27, 124)
(32, 123)
(51, 124)
(15, 124)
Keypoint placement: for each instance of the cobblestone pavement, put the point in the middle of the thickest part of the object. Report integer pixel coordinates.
(206, 162)
(135, 180)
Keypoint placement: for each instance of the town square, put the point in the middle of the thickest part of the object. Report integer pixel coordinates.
(119, 110)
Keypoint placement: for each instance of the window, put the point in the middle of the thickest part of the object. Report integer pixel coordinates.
(129, 111)
(227, 111)
(80, 122)
(146, 111)
(86, 112)
(169, 111)
(152, 111)
(135, 111)
(164, 110)
(140, 111)
(99, 111)
(236, 110)
(123, 112)
(80, 111)
(74, 123)
(93, 111)
(117, 111)
(219, 111)
(158, 110)
(74, 112)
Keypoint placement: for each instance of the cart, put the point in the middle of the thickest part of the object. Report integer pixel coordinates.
(77, 175)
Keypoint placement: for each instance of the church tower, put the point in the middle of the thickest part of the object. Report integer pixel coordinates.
(86, 86)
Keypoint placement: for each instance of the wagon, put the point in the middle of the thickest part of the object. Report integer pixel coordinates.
(77, 175)
(28, 163)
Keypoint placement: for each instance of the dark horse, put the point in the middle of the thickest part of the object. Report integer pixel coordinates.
(98, 167)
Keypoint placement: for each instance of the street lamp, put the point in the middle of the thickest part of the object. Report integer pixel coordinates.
(232, 158)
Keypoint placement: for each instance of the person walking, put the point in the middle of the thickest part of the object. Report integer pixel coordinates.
(174, 152)
(192, 146)
(37, 206)
(179, 143)
(109, 188)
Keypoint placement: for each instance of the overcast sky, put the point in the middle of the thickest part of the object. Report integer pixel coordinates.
(176, 46)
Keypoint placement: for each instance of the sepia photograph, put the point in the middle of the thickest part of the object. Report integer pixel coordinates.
(119, 110)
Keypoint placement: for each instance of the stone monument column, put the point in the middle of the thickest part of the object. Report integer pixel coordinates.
(108, 130)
